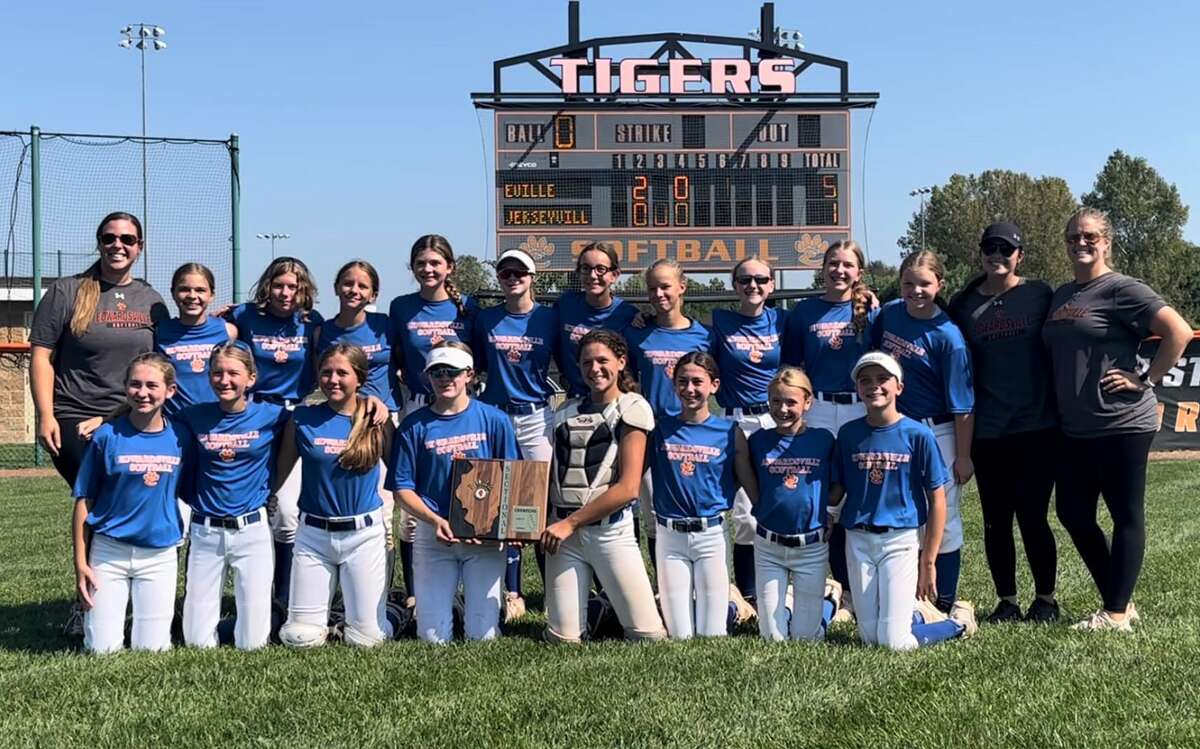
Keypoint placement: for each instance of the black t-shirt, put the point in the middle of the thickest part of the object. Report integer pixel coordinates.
(1094, 327)
(89, 370)
(1011, 364)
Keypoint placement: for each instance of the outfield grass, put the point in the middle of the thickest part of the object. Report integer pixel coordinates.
(1011, 685)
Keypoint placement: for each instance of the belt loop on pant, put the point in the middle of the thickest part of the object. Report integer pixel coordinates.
(689, 525)
(792, 541)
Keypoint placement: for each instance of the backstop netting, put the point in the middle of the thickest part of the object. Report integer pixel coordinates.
(185, 204)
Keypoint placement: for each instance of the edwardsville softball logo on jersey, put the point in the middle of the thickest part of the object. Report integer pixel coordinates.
(280, 347)
(514, 347)
(457, 446)
(900, 348)
(877, 462)
(330, 445)
(687, 456)
(149, 467)
(754, 346)
(436, 330)
(194, 356)
(791, 468)
(832, 332)
(664, 360)
(227, 444)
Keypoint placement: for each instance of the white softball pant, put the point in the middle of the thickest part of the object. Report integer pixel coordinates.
(952, 535)
(286, 518)
(883, 581)
(742, 514)
(832, 416)
(248, 551)
(124, 571)
(612, 553)
(439, 568)
(357, 561)
(693, 582)
(774, 567)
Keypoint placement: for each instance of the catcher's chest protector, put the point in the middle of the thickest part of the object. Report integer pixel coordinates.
(586, 447)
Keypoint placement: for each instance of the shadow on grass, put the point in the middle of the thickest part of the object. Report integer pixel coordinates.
(37, 628)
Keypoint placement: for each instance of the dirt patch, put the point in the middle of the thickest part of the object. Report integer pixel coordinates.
(29, 473)
(1176, 455)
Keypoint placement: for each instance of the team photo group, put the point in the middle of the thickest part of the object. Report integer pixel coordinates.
(280, 445)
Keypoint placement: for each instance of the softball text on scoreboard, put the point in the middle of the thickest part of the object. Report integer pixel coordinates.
(704, 188)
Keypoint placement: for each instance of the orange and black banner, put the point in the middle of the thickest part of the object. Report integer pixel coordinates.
(1178, 398)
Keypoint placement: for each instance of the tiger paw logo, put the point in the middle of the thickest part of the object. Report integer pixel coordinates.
(755, 356)
(122, 306)
(791, 481)
(481, 490)
(513, 356)
(876, 476)
(460, 455)
(687, 468)
(227, 454)
(671, 371)
(538, 248)
(810, 249)
(281, 356)
(197, 365)
(150, 478)
(835, 342)
(435, 339)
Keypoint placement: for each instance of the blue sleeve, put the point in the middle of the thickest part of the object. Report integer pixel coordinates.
(956, 366)
(929, 460)
(92, 468)
(403, 471)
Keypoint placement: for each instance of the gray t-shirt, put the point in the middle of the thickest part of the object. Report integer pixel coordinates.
(1094, 327)
(89, 370)
(1009, 361)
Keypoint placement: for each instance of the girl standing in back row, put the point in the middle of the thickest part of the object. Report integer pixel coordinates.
(937, 391)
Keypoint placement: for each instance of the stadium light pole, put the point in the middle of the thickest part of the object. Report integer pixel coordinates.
(273, 237)
(922, 192)
(143, 36)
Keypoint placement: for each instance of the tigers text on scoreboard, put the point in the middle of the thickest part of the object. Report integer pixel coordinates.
(704, 188)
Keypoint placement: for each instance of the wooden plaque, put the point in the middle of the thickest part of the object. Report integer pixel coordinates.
(501, 500)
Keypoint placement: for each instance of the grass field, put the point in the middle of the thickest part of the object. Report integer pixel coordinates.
(1011, 685)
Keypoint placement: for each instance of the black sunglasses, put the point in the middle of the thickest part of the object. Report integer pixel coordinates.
(129, 240)
(445, 372)
(511, 273)
(760, 280)
(1004, 248)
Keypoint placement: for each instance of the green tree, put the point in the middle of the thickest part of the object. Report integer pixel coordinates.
(472, 275)
(1148, 217)
(957, 212)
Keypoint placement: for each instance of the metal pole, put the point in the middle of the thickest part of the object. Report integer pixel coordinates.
(235, 213)
(35, 206)
(145, 180)
(923, 246)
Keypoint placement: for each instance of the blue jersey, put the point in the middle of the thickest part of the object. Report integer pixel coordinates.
(416, 326)
(515, 350)
(794, 475)
(231, 456)
(935, 358)
(326, 489)
(655, 351)
(188, 347)
(576, 318)
(692, 466)
(888, 472)
(427, 442)
(821, 340)
(373, 336)
(748, 354)
(132, 478)
(282, 348)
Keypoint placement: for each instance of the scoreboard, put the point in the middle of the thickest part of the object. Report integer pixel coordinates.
(704, 187)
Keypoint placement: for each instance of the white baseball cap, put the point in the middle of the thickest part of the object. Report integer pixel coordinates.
(520, 257)
(878, 359)
(449, 356)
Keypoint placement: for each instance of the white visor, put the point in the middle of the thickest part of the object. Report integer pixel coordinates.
(878, 359)
(450, 357)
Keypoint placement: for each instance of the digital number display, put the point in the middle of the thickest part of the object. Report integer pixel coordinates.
(706, 188)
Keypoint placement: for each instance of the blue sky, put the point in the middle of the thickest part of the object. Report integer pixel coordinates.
(358, 135)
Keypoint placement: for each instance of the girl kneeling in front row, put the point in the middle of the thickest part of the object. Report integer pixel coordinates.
(795, 468)
(695, 457)
(894, 481)
(341, 536)
(126, 523)
(453, 426)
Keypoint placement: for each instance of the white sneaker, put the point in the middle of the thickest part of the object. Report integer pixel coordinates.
(963, 613)
(1101, 621)
(1131, 613)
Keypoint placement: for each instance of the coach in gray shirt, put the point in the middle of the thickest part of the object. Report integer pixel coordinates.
(1107, 409)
